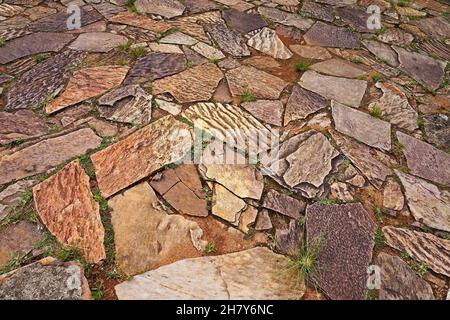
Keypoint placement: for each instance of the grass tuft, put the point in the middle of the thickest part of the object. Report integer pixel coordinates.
(376, 112)
(247, 97)
(302, 66)
(210, 248)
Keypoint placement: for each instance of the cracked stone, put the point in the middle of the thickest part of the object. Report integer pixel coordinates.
(229, 41)
(302, 103)
(325, 35)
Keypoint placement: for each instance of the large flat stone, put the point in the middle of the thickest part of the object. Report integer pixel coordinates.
(427, 203)
(318, 11)
(243, 22)
(382, 51)
(286, 18)
(146, 150)
(140, 21)
(227, 205)
(362, 126)
(423, 247)
(216, 278)
(427, 71)
(11, 194)
(46, 154)
(98, 42)
(283, 204)
(302, 103)
(345, 91)
(339, 68)
(165, 8)
(66, 206)
(42, 81)
(88, 83)
(58, 22)
(400, 282)
(437, 129)
(247, 79)
(229, 41)
(344, 236)
(424, 160)
(325, 35)
(23, 124)
(269, 43)
(194, 84)
(395, 107)
(437, 27)
(34, 43)
(47, 279)
(269, 111)
(146, 237)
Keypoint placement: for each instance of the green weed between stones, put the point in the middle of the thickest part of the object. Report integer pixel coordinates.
(302, 66)
(210, 248)
(247, 97)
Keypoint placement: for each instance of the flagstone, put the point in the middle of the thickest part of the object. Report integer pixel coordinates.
(31, 44)
(339, 68)
(10, 195)
(179, 38)
(424, 160)
(436, 27)
(289, 240)
(302, 103)
(382, 51)
(437, 129)
(165, 8)
(65, 204)
(140, 21)
(283, 204)
(194, 84)
(269, 111)
(396, 36)
(247, 79)
(98, 42)
(325, 35)
(193, 25)
(356, 17)
(392, 196)
(46, 154)
(286, 18)
(227, 205)
(269, 43)
(159, 143)
(318, 11)
(345, 91)
(243, 22)
(263, 221)
(199, 6)
(310, 52)
(21, 125)
(230, 41)
(208, 51)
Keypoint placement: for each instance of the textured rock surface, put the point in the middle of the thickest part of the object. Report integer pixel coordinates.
(151, 143)
(311, 52)
(437, 129)
(243, 22)
(247, 79)
(88, 83)
(146, 237)
(288, 240)
(399, 281)
(286, 18)
(393, 196)
(47, 279)
(302, 103)
(423, 247)
(396, 37)
(140, 21)
(382, 51)
(426, 202)
(46, 154)
(269, 111)
(322, 34)
(361, 126)
(9, 196)
(216, 279)
(424, 160)
(226, 205)
(165, 8)
(21, 125)
(345, 236)
(195, 84)
(346, 91)
(58, 22)
(283, 204)
(268, 42)
(230, 41)
(339, 68)
(98, 42)
(65, 205)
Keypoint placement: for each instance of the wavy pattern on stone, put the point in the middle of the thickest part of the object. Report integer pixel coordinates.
(268, 42)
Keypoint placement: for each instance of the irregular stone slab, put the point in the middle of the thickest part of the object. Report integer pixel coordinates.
(10, 195)
(263, 221)
(339, 68)
(103, 128)
(395, 107)
(34, 43)
(193, 25)
(424, 160)
(426, 202)
(318, 11)
(65, 205)
(216, 278)
(88, 83)
(283, 204)
(156, 65)
(344, 236)
(382, 51)
(396, 36)
(437, 27)
(58, 22)
(338, 3)
(288, 240)
(268, 42)
(393, 196)
(434, 48)
(364, 158)
(355, 17)
(172, 108)
(427, 71)
(423, 247)
(179, 38)
(109, 10)
(400, 282)
(361, 126)
(18, 239)
(140, 21)
(128, 104)
(310, 52)
(437, 129)
(23, 124)
(165, 8)
(228, 40)
(341, 191)
(345, 91)
(46, 279)
(194, 84)
(161, 142)
(286, 18)
(182, 189)
(226, 205)
(247, 79)
(269, 111)
(302, 103)
(243, 22)
(199, 6)
(146, 237)
(302, 163)
(42, 81)
(46, 154)
(164, 48)
(208, 51)
(228, 123)
(98, 42)
(325, 35)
